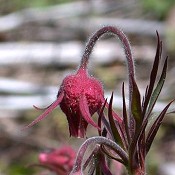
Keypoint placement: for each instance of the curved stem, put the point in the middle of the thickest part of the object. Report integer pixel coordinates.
(77, 169)
(122, 37)
(129, 59)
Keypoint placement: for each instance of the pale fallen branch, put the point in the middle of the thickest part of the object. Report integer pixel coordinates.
(21, 103)
(12, 86)
(16, 19)
(12, 105)
(69, 53)
(79, 14)
(14, 102)
(61, 11)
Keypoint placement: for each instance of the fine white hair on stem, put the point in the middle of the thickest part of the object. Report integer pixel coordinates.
(129, 58)
(77, 169)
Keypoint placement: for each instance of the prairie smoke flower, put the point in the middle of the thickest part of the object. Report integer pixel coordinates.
(80, 95)
(126, 139)
(83, 96)
(130, 140)
(59, 160)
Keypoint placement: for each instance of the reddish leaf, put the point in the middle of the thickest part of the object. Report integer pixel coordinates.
(112, 155)
(136, 106)
(119, 120)
(125, 117)
(114, 128)
(158, 89)
(90, 160)
(153, 130)
(105, 169)
(100, 116)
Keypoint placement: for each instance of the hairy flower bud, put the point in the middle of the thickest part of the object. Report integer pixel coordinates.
(59, 160)
(79, 97)
(83, 96)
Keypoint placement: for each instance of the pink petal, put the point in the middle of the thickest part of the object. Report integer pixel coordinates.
(59, 160)
(48, 110)
(72, 120)
(43, 157)
(84, 109)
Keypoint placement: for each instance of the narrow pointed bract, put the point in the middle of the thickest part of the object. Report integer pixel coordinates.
(154, 129)
(47, 111)
(59, 160)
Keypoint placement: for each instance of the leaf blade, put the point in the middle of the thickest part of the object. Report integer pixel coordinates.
(114, 129)
(158, 88)
(153, 73)
(136, 108)
(154, 129)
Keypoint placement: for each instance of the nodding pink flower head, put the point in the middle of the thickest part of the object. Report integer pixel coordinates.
(60, 160)
(81, 95)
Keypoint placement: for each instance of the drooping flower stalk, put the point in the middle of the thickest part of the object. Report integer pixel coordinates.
(129, 58)
(80, 95)
(131, 135)
(125, 139)
(122, 37)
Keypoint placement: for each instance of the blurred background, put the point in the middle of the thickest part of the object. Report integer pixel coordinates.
(41, 41)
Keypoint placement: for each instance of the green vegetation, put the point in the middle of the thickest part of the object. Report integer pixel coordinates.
(158, 8)
(18, 169)
(8, 6)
